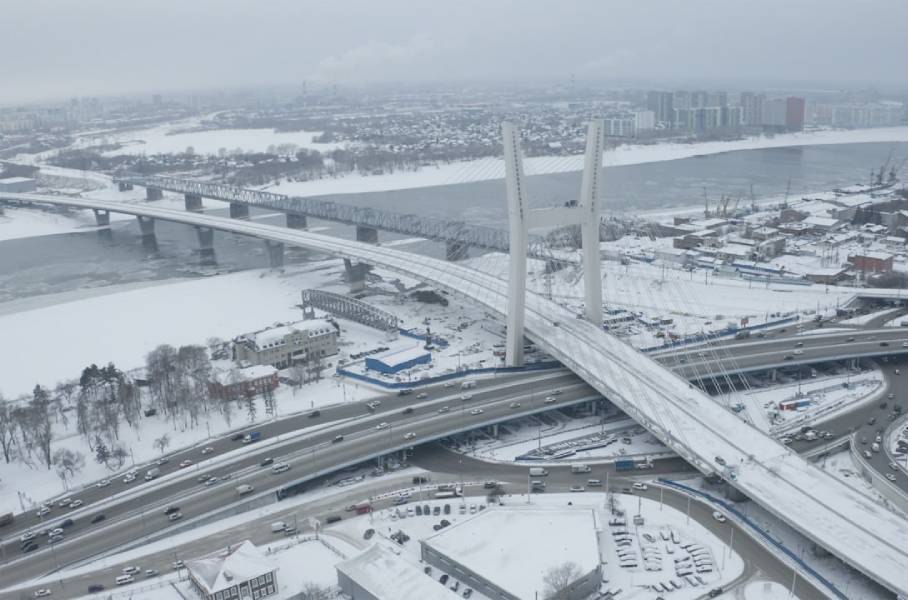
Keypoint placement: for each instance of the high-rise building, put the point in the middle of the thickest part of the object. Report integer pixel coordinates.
(681, 99)
(752, 108)
(662, 106)
(699, 99)
(794, 113)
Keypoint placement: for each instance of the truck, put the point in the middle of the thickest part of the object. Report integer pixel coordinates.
(252, 436)
(580, 468)
(278, 526)
(624, 465)
(468, 385)
(363, 508)
(538, 472)
(242, 490)
(153, 473)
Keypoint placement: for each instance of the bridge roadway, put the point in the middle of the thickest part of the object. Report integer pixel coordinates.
(825, 510)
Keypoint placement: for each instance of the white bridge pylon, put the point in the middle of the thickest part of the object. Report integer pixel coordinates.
(522, 219)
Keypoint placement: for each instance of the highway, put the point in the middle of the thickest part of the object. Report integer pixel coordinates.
(820, 507)
(529, 390)
(443, 465)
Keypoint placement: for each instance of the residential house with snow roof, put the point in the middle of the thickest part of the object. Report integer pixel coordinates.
(238, 573)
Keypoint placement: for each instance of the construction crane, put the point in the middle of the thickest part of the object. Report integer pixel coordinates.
(725, 201)
(706, 203)
(753, 199)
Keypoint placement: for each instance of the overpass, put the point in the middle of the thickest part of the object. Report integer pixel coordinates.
(827, 511)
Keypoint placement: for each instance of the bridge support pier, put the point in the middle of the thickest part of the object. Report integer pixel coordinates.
(102, 217)
(152, 193)
(206, 245)
(297, 221)
(193, 202)
(124, 186)
(356, 274)
(368, 235)
(238, 210)
(456, 250)
(275, 254)
(146, 227)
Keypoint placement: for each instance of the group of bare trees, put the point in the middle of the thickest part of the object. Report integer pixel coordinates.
(104, 399)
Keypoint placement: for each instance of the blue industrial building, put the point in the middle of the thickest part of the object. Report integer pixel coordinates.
(395, 360)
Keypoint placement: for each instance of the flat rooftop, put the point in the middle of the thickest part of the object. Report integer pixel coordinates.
(513, 547)
(388, 577)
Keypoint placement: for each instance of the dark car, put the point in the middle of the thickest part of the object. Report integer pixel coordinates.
(408, 410)
(337, 439)
(445, 523)
(368, 534)
(418, 510)
(67, 523)
(715, 592)
(236, 437)
(333, 519)
(419, 479)
(444, 578)
(95, 588)
(266, 462)
(98, 518)
(314, 414)
(30, 548)
(171, 509)
(447, 509)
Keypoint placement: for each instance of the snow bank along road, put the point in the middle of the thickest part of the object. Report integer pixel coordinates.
(828, 512)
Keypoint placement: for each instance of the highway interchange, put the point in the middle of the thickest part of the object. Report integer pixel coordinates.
(312, 452)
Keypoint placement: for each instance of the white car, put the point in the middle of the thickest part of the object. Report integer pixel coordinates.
(409, 436)
(550, 399)
(131, 570)
(476, 411)
(130, 477)
(719, 517)
(466, 397)
(640, 486)
(798, 352)
(43, 511)
(514, 405)
(890, 477)
(207, 450)
(55, 531)
(893, 466)
(42, 592)
(103, 483)
(28, 535)
(577, 488)
(382, 425)
(443, 410)
(421, 395)
(867, 454)
(75, 504)
(185, 463)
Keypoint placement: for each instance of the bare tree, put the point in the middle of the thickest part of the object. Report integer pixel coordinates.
(313, 591)
(558, 580)
(8, 426)
(64, 394)
(161, 443)
(39, 427)
(67, 463)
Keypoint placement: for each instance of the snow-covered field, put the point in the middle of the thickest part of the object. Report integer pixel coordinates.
(493, 168)
(16, 223)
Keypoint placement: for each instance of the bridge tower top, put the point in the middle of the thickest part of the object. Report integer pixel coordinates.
(521, 219)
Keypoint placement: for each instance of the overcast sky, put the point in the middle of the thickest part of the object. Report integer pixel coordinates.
(65, 48)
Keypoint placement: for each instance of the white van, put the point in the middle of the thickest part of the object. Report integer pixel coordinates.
(278, 526)
(124, 579)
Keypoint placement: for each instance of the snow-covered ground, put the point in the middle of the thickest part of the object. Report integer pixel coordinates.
(18, 223)
(493, 168)
(828, 397)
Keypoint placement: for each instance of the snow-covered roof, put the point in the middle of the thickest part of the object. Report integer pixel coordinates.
(275, 336)
(7, 180)
(876, 255)
(513, 547)
(396, 356)
(256, 372)
(386, 576)
(818, 221)
(226, 568)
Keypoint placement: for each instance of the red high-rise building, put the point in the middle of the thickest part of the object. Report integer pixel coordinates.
(794, 113)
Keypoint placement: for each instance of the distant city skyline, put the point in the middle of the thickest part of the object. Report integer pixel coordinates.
(59, 50)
